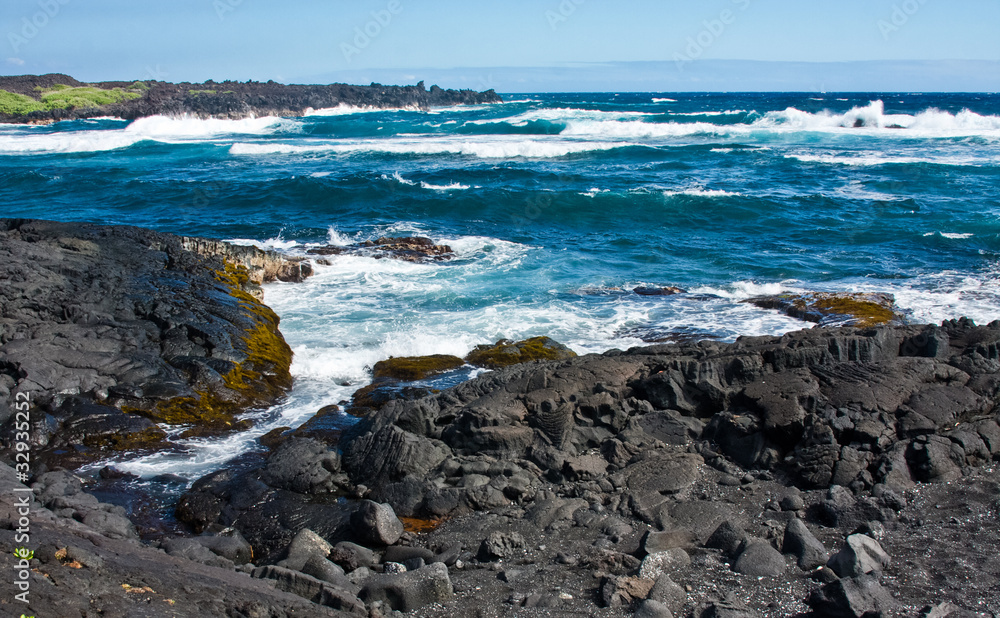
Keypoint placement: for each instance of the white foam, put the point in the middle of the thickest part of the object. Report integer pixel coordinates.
(700, 192)
(856, 190)
(154, 128)
(335, 238)
(730, 112)
(455, 186)
(872, 159)
(931, 123)
(633, 129)
(594, 192)
(663, 100)
(563, 115)
(951, 235)
(347, 110)
(485, 147)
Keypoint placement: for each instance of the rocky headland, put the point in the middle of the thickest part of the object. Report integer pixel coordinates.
(53, 97)
(834, 471)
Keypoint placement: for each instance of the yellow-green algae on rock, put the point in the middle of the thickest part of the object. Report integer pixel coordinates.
(835, 309)
(257, 381)
(415, 367)
(506, 352)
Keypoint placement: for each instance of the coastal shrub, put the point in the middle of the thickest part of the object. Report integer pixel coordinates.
(18, 104)
(197, 92)
(84, 97)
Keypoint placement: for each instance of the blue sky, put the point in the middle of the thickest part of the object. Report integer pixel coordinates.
(332, 40)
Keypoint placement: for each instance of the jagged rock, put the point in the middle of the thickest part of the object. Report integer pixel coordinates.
(853, 597)
(410, 590)
(303, 466)
(500, 545)
(376, 523)
(624, 591)
(860, 555)
(803, 544)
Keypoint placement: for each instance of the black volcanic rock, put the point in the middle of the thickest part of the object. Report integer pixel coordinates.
(105, 327)
(235, 100)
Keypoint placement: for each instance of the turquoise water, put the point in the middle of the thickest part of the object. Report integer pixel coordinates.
(557, 206)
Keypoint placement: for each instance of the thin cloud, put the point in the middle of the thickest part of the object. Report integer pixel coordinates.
(15, 61)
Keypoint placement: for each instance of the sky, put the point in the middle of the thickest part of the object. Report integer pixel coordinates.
(515, 45)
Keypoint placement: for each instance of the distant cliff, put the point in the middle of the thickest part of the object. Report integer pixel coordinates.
(53, 97)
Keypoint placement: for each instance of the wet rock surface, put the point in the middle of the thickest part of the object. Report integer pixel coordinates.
(108, 329)
(236, 100)
(406, 248)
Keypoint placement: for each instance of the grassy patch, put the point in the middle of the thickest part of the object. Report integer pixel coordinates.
(85, 97)
(197, 92)
(18, 104)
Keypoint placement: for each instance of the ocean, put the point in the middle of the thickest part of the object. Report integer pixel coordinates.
(556, 206)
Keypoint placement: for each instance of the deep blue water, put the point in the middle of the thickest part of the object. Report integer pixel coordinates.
(557, 206)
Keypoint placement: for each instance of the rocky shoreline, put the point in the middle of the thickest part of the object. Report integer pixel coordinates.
(228, 99)
(834, 471)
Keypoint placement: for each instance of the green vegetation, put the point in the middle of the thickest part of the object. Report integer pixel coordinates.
(197, 92)
(62, 96)
(18, 104)
(137, 85)
(84, 97)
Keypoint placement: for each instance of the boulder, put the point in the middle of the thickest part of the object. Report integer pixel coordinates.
(852, 597)
(860, 555)
(801, 543)
(411, 368)
(410, 590)
(501, 545)
(663, 563)
(376, 523)
(759, 559)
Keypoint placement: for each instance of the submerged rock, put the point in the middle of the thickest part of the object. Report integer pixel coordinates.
(406, 248)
